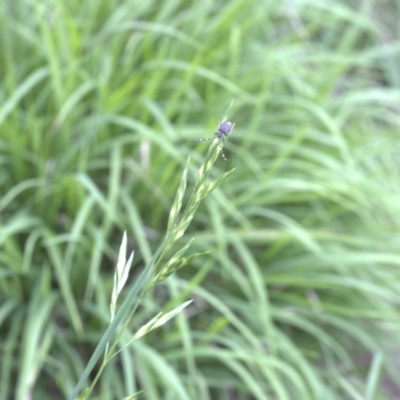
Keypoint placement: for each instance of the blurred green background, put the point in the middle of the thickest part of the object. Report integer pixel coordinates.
(100, 105)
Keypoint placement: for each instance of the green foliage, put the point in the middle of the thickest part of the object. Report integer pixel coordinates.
(100, 103)
(155, 272)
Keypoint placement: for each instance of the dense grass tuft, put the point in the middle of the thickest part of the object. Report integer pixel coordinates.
(100, 105)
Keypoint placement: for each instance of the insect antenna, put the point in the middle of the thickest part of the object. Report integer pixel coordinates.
(223, 155)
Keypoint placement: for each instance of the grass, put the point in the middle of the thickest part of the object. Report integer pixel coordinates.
(100, 105)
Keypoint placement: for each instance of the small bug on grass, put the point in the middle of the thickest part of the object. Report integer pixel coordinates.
(225, 127)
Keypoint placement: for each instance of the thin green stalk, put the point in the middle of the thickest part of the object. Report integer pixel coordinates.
(149, 277)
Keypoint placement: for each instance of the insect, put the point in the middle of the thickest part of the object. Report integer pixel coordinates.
(225, 127)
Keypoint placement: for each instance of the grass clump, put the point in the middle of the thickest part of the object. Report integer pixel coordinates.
(99, 108)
